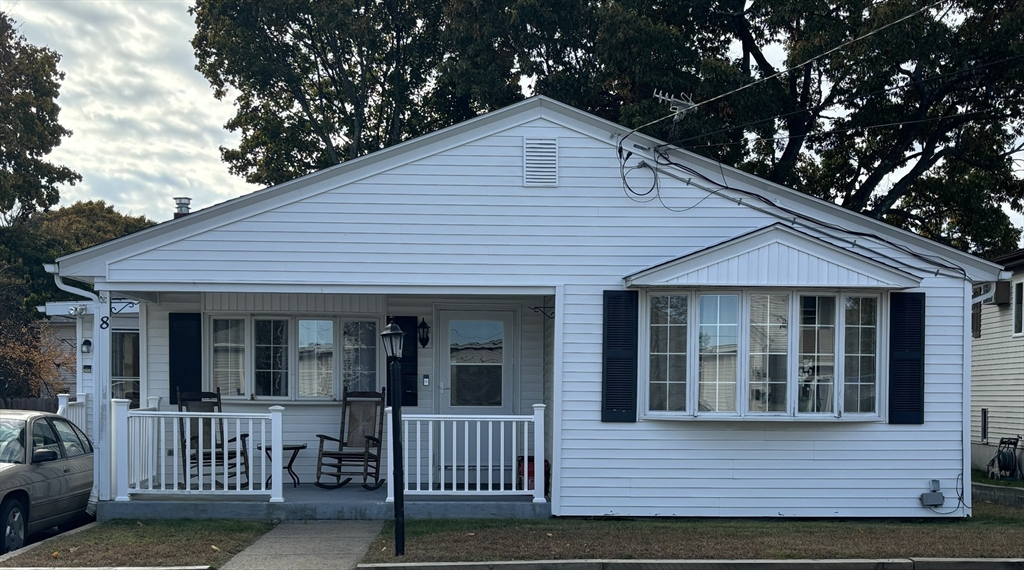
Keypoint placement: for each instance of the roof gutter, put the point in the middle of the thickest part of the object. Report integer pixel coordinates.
(52, 268)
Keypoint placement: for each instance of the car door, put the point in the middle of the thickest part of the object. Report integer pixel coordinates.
(50, 479)
(79, 461)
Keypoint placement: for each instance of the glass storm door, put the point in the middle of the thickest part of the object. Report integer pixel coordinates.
(476, 380)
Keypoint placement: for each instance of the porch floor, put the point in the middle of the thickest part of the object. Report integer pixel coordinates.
(309, 502)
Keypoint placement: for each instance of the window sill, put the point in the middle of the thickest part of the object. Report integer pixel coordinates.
(765, 419)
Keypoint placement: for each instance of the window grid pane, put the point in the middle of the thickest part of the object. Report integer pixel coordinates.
(271, 369)
(769, 347)
(861, 354)
(316, 359)
(667, 372)
(719, 328)
(817, 354)
(359, 355)
(229, 355)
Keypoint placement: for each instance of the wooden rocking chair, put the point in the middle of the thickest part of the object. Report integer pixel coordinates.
(357, 449)
(208, 451)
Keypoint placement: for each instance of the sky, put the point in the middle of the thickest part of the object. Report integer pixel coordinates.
(146, 125)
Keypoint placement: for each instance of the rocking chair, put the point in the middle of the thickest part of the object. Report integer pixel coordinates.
(357, 449)
(208, 452)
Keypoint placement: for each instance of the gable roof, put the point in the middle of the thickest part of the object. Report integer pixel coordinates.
(478, 127)
(775, 255)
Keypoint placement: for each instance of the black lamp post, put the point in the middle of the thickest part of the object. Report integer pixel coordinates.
(393, 338)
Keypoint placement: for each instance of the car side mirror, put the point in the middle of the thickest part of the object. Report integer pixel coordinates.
(44, 455)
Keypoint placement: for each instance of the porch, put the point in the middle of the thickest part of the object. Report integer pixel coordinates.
(309, 502)
(456, 466)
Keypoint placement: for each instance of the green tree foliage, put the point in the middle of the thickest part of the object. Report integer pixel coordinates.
(29, 129)
(917, 124)
(45, 236)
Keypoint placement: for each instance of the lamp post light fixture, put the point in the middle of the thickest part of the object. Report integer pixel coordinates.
(393, 339)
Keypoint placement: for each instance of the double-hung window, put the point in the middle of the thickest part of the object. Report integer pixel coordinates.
(761, 353)
(292, 358)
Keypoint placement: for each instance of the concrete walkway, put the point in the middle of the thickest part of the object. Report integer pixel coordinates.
(312, 545)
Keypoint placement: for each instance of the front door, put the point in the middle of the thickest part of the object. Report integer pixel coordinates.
(476, 375)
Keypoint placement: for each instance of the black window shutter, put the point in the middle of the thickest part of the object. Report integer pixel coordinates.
(410, 348)
(618, 393)
(906, 358)
(185, 352)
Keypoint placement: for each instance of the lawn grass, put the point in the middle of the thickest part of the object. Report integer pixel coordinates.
(979, 476)
(146, 543)
(994, 532)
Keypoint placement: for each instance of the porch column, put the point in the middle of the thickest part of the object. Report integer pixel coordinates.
(62, 404)
(538, 454)
(101, 387)
(120, 438)
(276, 441)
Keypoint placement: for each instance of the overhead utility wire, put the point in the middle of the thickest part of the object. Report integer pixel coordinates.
(850, 99)
(799, 65)
(838, 130)
(796, 214)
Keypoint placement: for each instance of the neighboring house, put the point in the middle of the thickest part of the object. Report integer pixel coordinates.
(705, 343)
(73, 325)
(997, 363)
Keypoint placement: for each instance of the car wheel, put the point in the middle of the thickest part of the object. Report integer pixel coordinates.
(15, 524)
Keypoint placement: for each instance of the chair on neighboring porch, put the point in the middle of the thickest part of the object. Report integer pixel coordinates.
(357, 449)
(208, 450)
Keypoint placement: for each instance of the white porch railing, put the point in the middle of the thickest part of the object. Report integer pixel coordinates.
(459, 455)
(74, 411)
(159, 452)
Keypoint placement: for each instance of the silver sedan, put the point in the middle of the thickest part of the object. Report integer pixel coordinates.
(46, 468)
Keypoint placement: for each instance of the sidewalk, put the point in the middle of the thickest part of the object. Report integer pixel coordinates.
(312, 545)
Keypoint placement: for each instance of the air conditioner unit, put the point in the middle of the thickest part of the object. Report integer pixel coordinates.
(1000, 294)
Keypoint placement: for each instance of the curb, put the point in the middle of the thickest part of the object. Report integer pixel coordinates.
(886, 564)
(29, 548)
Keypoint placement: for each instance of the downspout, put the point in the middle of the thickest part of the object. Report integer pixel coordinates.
(52, 268)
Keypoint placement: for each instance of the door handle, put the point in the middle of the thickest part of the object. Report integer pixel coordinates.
(67, 470)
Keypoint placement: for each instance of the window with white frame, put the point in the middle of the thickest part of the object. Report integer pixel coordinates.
(761, 353)
(292, 357)
(1018, 307)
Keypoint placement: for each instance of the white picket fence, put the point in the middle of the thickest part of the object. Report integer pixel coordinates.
(157, 453)
(460, 455)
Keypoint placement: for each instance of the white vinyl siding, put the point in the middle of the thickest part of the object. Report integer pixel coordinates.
(997, 374)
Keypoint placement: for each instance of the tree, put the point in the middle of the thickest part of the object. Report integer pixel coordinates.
(29, 86)
(916, 120)
(45, 236)
(29, 357)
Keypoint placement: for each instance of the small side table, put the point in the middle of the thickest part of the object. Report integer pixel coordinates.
(295, 448)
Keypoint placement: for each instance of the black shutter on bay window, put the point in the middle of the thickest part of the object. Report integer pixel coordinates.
(410, 348)
(618, 370)
(906, 358)
(185, 353)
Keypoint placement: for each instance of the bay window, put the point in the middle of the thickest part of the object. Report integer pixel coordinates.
(292, 357)
(760, 353)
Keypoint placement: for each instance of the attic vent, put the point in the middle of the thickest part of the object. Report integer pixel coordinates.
(540, 162)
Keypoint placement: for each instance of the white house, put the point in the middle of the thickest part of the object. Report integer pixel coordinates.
(997, 379)
(703, 342)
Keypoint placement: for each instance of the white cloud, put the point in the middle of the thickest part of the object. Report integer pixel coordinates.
(146, 125)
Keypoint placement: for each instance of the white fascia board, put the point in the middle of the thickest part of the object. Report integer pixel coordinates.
(673, 273)
(142, 290)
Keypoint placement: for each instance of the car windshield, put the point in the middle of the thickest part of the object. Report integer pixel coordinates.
(12, 440)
